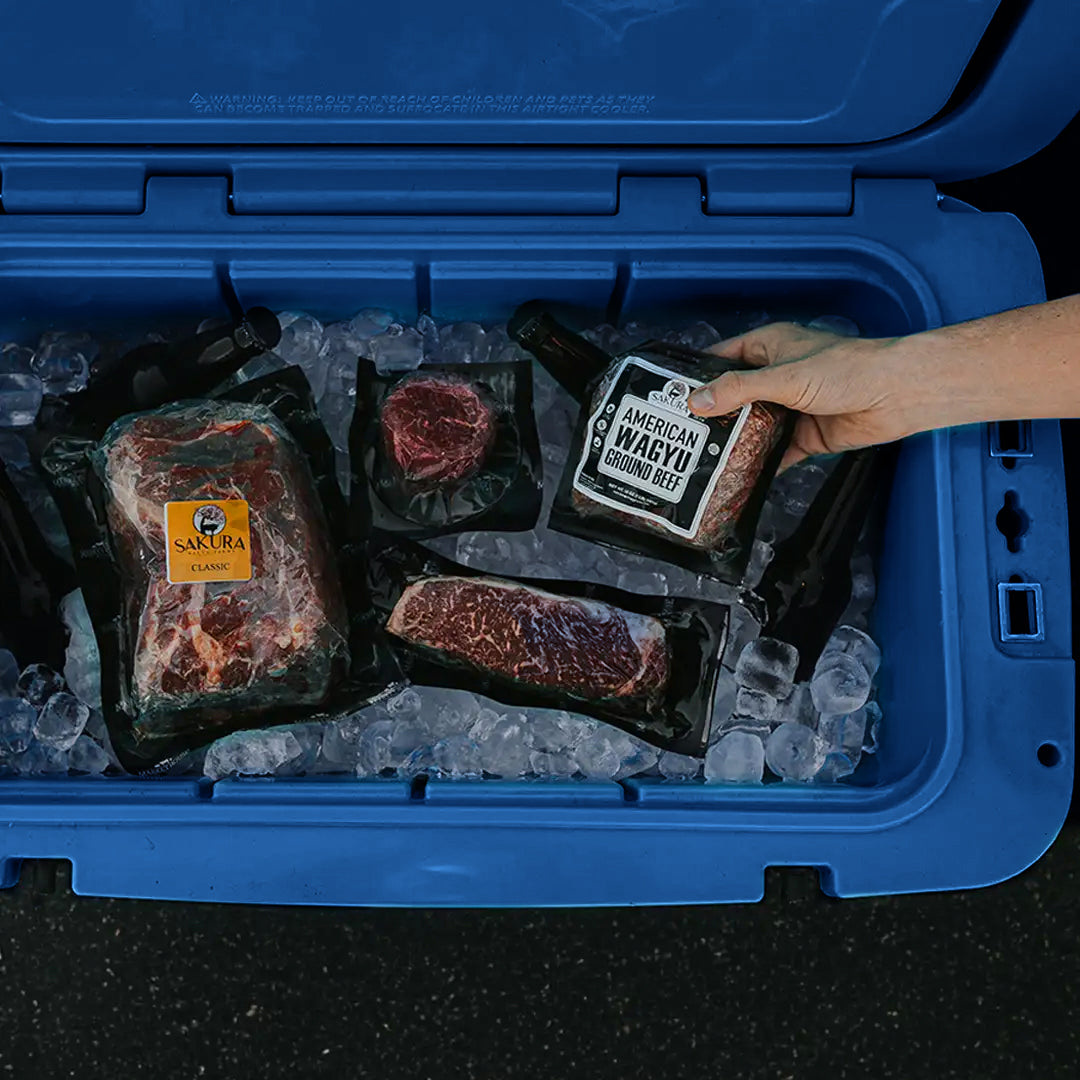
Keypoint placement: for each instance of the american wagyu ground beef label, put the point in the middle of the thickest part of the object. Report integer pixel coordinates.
(646, 455)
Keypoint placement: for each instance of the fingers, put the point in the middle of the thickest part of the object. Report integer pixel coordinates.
(772, 343)
(784, 384)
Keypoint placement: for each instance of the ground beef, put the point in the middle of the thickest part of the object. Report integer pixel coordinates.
(760, 434)
(437, 430)
(583, 647)
(270, 640)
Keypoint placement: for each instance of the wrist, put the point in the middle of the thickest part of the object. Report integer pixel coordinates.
(937, 381)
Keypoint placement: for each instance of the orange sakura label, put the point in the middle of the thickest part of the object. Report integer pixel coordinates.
(208, 540)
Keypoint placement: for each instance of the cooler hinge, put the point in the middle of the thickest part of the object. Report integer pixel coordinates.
(73, 185)
(734, 186)
(425, 182)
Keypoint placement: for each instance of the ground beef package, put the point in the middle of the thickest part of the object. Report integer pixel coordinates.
(644, 473)
(445, 448)
(647, 664)
(647, 475)
(208, 538)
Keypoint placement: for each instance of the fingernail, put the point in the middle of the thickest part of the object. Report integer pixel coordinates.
(701, 399)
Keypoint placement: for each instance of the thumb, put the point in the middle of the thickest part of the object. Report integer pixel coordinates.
(734, 389)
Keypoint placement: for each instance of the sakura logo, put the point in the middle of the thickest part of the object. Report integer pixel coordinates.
(617, 16)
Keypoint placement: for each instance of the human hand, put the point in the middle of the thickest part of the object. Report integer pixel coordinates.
(850, 391)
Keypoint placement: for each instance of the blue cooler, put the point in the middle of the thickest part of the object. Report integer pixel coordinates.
(634, 155)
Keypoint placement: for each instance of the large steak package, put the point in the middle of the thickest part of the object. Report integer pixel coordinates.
(206, 534)
(645, 663)
(445, 448)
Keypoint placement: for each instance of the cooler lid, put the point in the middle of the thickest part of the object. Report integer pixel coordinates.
(834, 73)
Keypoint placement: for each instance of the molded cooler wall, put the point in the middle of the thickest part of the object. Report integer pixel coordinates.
(957, 795)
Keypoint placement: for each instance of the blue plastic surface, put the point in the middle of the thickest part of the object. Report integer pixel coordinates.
(564, 70)
(959, 794)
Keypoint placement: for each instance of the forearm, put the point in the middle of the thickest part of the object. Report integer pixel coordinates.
(1021, 364)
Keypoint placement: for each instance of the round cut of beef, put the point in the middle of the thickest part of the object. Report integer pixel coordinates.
(437, 430)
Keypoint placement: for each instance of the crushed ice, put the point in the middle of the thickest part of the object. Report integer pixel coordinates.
(763, 723)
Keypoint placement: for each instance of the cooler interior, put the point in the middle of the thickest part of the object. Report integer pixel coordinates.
(951, 689)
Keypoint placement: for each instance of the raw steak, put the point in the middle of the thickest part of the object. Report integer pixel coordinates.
(580, 646)
(267, 641)
(763, 429)
(437, 430)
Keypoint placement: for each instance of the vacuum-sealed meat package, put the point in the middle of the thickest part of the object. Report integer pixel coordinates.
(647, 664)
(445, 448)
(646, 474)
(207, 538)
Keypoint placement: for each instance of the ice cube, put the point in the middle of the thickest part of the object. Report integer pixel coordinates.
(577, 728)
(835, 767)
(794, 752)
(761, 554)
(742, 629)
(836, 324)
(341, 739)
(678, 766)
(16, 725)
(873, 727)
(9, 673)
(767, 665)
(369, 323)
(407, 703)
(738, 757)
(754, 705)
(484, 724)
(453, 712)
(796, 487)
(844, 734)
(87, 756)
(856, 643)
(605, 337)
(251, 753)
(38, 683)
(773, 523)
(42, 760)
(550, 765)
(301, 339)
(544, 732)
(20, 399)
(463, 343)
(457, 757)
(599, 756)
(699, 336)
(484, 551)
(841, 684)
(63, 364)
(798, 707)
(409, 733)
(639, 757)
(723, 704)
(643, 582)
(82, 663)
(61, 721)
(504, 748)
(398, 348)
(15, 359)
(374, 753)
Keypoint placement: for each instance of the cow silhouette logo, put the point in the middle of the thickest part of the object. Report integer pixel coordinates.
(209, 520)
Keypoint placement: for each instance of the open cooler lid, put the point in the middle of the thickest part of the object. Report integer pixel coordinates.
(848, 75)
